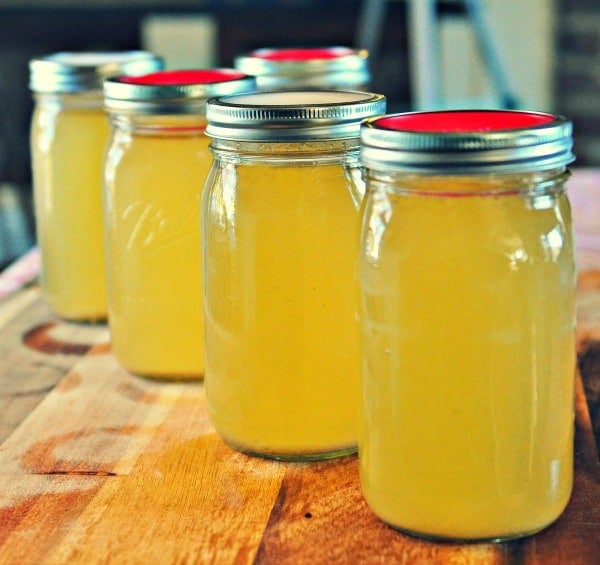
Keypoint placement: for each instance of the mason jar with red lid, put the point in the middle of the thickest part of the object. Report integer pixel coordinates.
(156, 164)
(467, 281)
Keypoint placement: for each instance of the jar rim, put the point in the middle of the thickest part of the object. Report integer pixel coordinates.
(288, 68)
(295, 115)
(467, 141)
(70, 72)
(173, 91)
(303, 55)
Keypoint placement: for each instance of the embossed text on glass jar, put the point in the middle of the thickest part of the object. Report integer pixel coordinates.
(156, 165)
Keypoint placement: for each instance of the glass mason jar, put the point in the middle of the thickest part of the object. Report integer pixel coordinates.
(313, 67)
(280, 226)
(467, 283)
(69, 130)
(156, 164)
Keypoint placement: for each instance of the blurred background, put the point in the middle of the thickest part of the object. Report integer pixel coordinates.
(425, 54)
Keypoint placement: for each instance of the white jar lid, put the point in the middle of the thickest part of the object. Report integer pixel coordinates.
(72, 72)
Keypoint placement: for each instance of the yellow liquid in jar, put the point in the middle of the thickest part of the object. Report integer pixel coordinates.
(282, 371)
(67, 147)
(153, 189)
(468, 328)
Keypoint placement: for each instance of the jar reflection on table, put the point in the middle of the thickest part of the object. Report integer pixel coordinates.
(156, 165)
(68, 137)
(467, 281)
(280, 228)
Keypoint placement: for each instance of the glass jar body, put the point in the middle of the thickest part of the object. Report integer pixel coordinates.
(68, 138)
(280, 227)
(467, 320)
(154, 173)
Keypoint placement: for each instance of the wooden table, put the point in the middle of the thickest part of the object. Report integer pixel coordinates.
(98, 466)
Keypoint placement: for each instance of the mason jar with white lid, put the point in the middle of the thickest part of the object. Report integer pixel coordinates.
(69, 130)
(280, 229)
(292, 68)
(467, 283)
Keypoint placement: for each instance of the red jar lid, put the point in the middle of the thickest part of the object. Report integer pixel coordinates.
(173, 91)
(464, 121)
(291, 68)
(466, 141)
(185, 77)
(291, 54)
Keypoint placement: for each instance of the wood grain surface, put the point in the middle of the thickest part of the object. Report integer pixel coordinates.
(99, 466)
